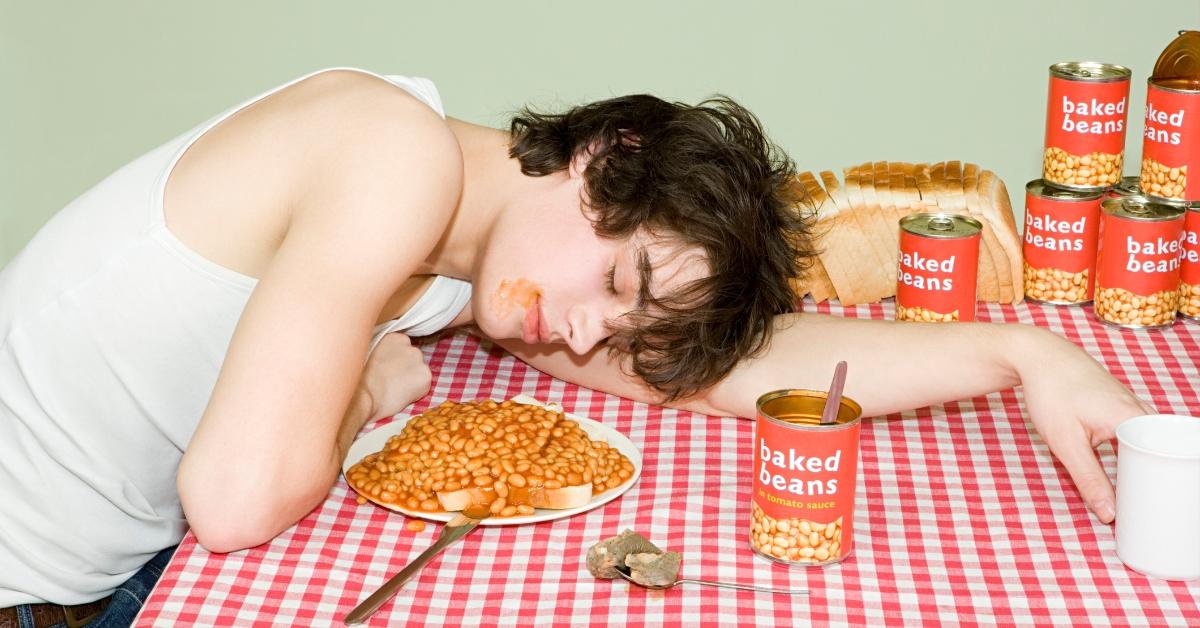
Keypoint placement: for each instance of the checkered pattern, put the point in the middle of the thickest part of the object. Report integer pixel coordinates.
(962, 517)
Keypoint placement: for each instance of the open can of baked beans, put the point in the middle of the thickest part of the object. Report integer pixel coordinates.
(1189, 266)
(1137, 274)
(1086, 115)
(1171, 146)
(802, 504)
(1059, 250)
(938, 265)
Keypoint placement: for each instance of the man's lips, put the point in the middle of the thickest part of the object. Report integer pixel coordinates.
(531, 333)
(543, 324)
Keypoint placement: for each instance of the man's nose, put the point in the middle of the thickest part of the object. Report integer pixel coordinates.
(586, 329)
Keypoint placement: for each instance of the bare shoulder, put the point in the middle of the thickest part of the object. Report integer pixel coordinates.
(377, 140)
(338, 142)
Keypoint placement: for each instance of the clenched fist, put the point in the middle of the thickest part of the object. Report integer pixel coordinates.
(395, 376)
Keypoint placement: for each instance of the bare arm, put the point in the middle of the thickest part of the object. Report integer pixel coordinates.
(1071, 399)
(269, 444)
(890, 365)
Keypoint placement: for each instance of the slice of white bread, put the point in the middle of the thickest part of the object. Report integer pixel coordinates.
(860, 188)
(538, 497)
(814, 280)
(836, 235)
(859, 221)
(997, 209)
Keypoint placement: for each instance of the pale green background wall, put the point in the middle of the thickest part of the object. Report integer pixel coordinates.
(87, 87)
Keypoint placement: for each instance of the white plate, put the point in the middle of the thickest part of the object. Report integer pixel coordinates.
(374, 441)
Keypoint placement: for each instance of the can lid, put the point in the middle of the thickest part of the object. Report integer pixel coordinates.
(1090, 71)
(1039, 187)
(1180, 59)
(1128, 186)
(1141, 208)
(940, 225)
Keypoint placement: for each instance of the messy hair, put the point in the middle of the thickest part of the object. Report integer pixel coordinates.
(705, 176)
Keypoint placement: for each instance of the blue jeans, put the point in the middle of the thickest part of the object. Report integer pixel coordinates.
(126, 601)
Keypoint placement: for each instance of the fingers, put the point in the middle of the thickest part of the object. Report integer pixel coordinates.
(1077, 455)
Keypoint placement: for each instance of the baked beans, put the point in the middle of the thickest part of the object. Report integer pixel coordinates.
(1162, 180)
(924, 315)
(796, 539)
(503, 451)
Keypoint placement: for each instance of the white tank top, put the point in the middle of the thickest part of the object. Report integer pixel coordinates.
(112, 333)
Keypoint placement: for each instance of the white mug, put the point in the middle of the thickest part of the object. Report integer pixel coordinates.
(1158, 495)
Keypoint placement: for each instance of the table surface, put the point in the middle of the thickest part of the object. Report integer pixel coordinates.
(962, 516)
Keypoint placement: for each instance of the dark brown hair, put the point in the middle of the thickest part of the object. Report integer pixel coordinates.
(703, 176)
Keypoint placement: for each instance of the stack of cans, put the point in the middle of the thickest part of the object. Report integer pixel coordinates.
(1130, 246)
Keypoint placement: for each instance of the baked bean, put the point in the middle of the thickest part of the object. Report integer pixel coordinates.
(415, 525)
(923, 315)
(1122, 307)
(491, 447)
(795, 539)
(1093, 170)
(1055, 286)
(1189, 300)
(1162, 180)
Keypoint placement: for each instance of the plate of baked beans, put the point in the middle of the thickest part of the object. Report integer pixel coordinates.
(527, 461)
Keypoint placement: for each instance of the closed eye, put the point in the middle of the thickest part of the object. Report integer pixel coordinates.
(611, 277)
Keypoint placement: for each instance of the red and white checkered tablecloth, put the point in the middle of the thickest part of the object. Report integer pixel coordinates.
(962, 517)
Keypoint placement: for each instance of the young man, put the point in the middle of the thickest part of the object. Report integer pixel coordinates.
(184, 344)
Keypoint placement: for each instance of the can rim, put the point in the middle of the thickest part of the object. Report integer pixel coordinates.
(908, 222)
(1043, 189)
(1119, 72)
(1117, 208)
(1157, 84)
(807, 392)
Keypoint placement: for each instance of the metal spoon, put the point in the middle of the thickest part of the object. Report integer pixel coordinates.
(624, 572)
(457, 528)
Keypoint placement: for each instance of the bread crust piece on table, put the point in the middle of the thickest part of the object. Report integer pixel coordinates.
(603, 557)
(875, 229)
(994, 194)
(837, 244)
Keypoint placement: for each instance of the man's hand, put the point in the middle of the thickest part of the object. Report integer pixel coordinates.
(1075, 404)
(395, 376)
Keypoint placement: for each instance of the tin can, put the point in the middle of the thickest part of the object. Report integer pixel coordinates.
(802, 507)
(1059, 250)
(1127, 186)
(1137, 274)
(938, 266)
(1086, 116)
(1171, 142)
(1189, 265)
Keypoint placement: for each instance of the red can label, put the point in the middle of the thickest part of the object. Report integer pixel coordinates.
(1171, 147)
(937, 275)
(1085, 132)
(1141, 257)
(1061, 234)
(1060, 248)
(804, 489)
(1189, 269)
